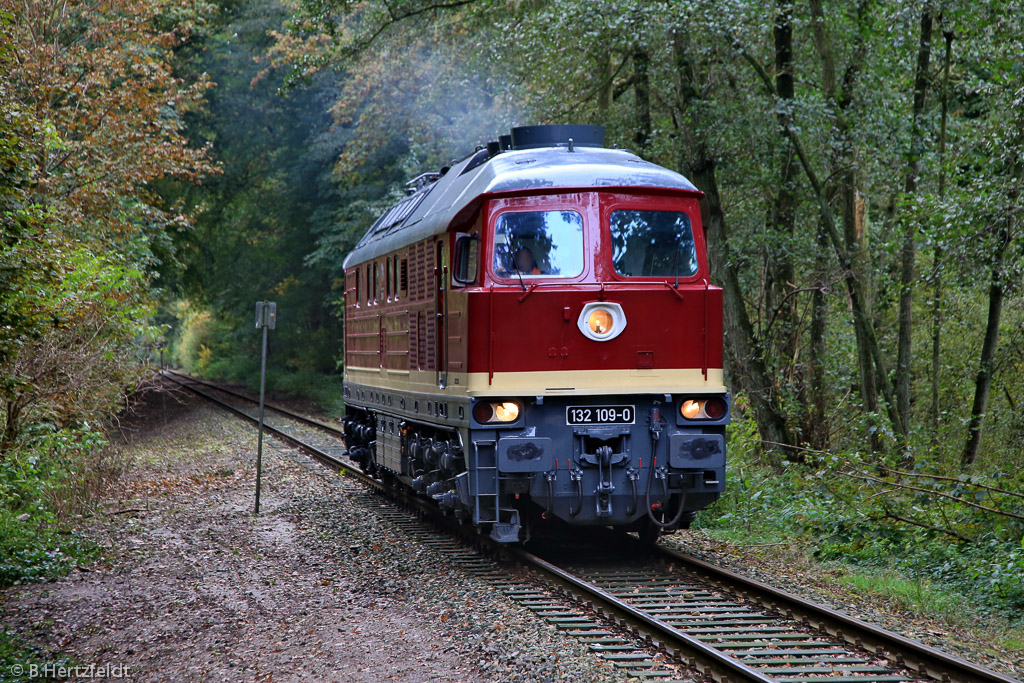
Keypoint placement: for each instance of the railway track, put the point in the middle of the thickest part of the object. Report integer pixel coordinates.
(656, 612)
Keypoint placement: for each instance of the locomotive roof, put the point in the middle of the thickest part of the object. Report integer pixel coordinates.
(432, 209)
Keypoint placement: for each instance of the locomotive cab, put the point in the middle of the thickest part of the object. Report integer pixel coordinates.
(559, 355)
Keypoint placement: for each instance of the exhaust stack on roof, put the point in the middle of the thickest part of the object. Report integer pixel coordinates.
(530, 137)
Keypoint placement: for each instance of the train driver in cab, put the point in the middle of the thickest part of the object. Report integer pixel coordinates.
(525, 263)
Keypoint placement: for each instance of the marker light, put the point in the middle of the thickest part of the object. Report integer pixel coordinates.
(601, 320)
(497, 411)
(713, 408)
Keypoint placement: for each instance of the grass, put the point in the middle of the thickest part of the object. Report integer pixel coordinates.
(923, 596)
(915, 595)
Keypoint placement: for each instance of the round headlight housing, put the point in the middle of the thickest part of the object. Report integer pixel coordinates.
(507, 411)
(601, 320)
(690, 409)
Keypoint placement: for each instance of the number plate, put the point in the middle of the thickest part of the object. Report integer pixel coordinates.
(600, 415)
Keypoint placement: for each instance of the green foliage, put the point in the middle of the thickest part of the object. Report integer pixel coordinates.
(90, 118)
(18, 657)
(83, 233)
(36, 485)
(819, 506)
(375, 93)
(261, 218)
(468, 69)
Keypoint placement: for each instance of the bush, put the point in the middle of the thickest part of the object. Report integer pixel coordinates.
(42, 486)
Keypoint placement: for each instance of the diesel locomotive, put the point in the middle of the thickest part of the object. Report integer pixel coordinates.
(531, 338)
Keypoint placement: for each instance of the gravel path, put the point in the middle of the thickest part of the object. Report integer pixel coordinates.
(316, 587)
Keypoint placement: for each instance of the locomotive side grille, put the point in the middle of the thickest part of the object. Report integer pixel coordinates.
(431, 343)
(414, 341)
(421, 336)
(421, 271)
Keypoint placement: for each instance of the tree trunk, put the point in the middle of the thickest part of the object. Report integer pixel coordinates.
(988, 350)
(816, 429)
(937, 252)
(641, 98)
(848, 252)
(908, 253)
(855, 278)
(745, 353)
(604, 91)
(780, 306)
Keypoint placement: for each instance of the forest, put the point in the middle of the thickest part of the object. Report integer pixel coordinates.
(163, 165)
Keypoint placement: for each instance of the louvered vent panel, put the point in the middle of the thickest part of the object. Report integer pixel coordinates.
(421, 335)
(414, 342)
(431, 345)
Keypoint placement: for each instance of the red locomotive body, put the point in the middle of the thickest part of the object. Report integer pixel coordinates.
(533, 335)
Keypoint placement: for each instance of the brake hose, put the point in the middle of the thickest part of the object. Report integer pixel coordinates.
(577, 477)
(632, 475)
(550, 477)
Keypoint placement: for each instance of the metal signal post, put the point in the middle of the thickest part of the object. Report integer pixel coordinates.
(266, 319)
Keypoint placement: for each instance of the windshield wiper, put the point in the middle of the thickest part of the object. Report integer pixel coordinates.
(521, 283)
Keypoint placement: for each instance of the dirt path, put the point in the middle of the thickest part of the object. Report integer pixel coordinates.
(196, 588)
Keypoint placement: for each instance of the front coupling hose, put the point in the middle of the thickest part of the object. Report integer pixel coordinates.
(576, 475)
(632, 475)
(549, 477)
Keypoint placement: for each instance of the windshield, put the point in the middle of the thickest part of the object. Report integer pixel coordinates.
(538, 244)
(652, 243)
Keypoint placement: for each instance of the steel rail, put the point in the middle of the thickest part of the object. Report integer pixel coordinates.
(713, 660)
(321, 456)
(271, 406)
(347, 468)
(704, 658)
(912, 654)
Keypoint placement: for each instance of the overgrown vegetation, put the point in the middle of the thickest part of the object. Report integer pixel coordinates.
(90, 117)
(54, 475)
(926, 537)
(17, 659)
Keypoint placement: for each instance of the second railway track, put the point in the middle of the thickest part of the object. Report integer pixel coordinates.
(723, 625)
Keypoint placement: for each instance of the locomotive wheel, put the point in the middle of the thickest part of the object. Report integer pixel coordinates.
(648, 533)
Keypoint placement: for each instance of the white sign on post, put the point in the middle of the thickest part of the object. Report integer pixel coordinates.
(266, 314)
(266, 319)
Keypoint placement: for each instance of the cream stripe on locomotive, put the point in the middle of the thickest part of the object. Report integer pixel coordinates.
(586, 382)
(569, 382)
